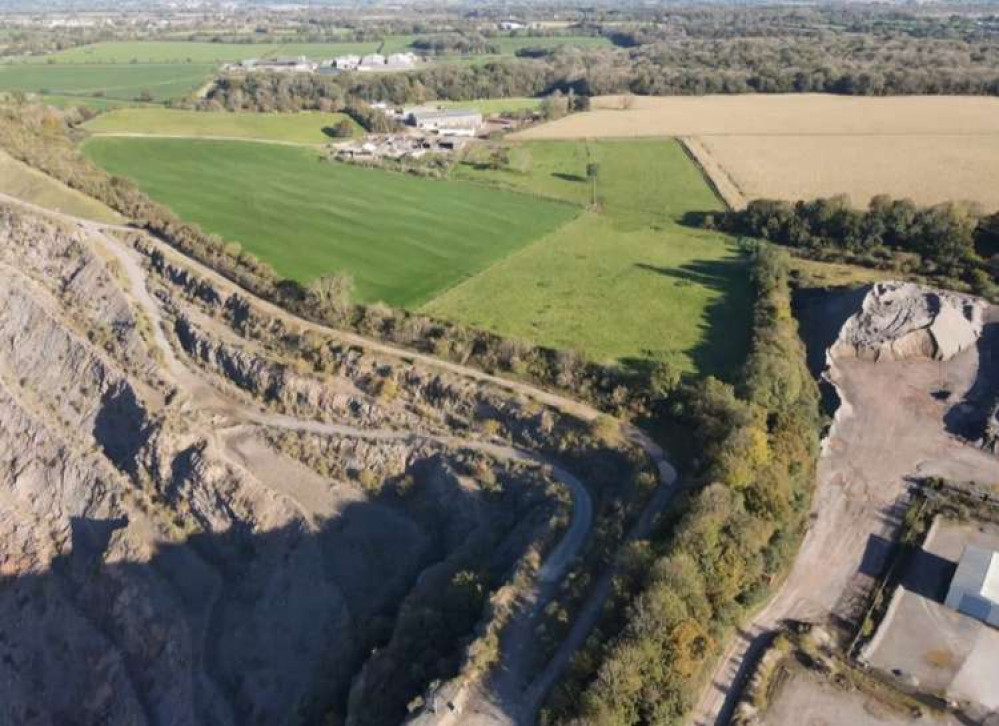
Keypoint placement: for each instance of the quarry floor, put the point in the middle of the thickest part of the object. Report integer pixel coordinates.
(888, 429)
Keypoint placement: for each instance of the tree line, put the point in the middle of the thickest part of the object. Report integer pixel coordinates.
(737, 531)
(951, 243)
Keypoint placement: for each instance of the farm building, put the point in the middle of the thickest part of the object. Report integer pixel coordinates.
(974, 590)
(299, 64)
(372, 60)
(398, 61)
(346, 62)
(453, 121)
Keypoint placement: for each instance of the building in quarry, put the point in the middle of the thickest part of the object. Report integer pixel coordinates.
(974, 590)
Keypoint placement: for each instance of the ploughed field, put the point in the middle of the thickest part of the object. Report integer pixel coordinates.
(929, 148)
(403, 239)
(306, 127)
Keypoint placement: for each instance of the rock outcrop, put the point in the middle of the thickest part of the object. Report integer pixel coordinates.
(901, 320)
(156, 568)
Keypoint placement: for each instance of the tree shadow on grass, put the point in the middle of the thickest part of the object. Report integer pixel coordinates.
(568, 177)
(726, 322)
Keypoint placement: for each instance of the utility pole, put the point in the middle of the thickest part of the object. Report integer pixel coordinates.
(592, 171)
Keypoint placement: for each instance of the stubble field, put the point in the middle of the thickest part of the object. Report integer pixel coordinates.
(929, 148)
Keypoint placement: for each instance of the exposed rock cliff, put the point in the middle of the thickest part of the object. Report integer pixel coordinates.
(902, 320)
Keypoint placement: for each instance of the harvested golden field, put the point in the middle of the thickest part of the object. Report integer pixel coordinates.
(929, 148)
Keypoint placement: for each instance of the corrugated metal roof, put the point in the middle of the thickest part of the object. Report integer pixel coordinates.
(977, 572)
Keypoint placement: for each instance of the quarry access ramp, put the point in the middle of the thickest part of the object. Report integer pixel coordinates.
(557, 563)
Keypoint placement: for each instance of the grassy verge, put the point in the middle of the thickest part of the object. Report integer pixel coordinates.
(20, 180)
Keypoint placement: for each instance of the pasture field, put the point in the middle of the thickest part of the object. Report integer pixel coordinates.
(100, 104)
(929, 148)
(511, 44)
(397, 43)
(624, 281)
(404, 239)
(180, 51)
(21, 181)
(317, 51)
(298, 128)
(124, 82)
(494, 105)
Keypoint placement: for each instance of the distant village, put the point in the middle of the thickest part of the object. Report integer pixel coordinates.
(371, 63)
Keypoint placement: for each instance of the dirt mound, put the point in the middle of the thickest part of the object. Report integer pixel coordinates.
(901, 320)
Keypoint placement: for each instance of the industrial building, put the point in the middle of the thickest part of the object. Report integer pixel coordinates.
(974, 590)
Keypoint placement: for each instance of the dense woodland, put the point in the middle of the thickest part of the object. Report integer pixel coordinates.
(867, 65)
(856, 51)
(736, 533)
(952, 244)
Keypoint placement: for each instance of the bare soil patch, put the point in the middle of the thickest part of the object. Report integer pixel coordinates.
(807, 700)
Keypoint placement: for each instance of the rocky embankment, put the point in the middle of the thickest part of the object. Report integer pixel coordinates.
(209, 516)
(900, 320)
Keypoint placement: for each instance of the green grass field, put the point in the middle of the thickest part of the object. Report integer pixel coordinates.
(511, 45)
(404, 239)
(318, 51)
(180, 51)
(625, 280)
(301, 128)
(494, 105)
(126, 81)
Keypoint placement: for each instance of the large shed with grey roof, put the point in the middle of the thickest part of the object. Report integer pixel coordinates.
(974, 590)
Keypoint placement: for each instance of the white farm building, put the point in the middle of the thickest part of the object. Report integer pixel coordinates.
(974, 591)
(463, 122)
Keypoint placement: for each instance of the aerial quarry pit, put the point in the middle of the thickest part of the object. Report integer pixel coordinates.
(468, 363)
(913, 370)
(226, 534)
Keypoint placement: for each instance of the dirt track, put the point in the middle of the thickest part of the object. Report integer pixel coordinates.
(888, 428)
(203, 394)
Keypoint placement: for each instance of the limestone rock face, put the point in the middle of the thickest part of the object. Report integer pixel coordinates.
(197, 529)
(900, 320)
